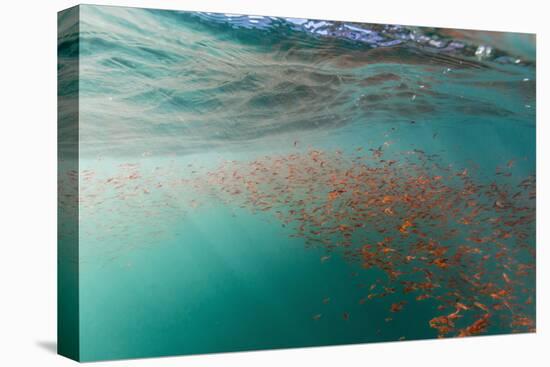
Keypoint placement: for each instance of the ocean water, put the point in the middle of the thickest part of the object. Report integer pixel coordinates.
(253, 182)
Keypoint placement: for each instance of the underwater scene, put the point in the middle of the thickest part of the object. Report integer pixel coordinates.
(256, 182)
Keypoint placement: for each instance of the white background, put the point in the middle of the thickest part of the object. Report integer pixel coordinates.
(28, 182)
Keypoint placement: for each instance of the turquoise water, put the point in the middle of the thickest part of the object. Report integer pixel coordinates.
(236, 174)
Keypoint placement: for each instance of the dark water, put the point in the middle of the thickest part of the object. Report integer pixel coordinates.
(259, 182)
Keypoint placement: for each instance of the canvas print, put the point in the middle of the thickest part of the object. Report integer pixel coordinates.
(240, 182)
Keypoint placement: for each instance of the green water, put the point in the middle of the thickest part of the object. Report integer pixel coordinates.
(216, 279)
(169, 264)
